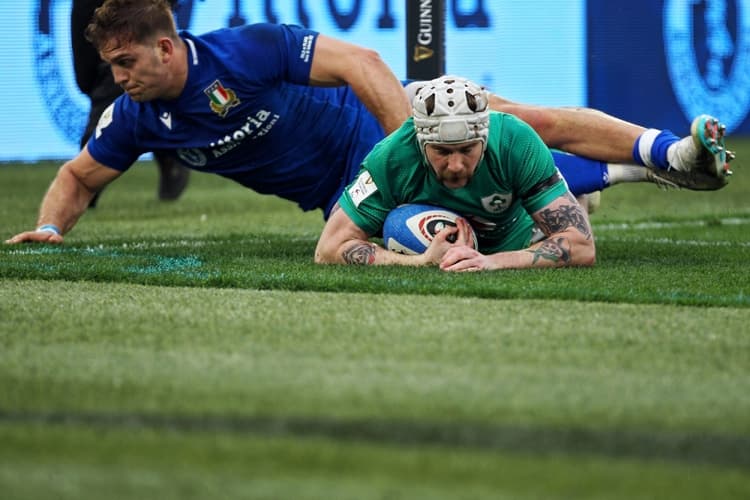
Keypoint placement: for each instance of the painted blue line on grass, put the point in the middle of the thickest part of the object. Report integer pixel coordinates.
(165, 265)
(188, 267)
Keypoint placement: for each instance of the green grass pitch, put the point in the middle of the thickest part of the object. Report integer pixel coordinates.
(193, 350)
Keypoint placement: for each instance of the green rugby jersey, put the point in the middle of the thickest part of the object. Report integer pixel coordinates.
(507, 186)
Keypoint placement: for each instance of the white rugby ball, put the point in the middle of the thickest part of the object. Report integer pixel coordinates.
(409, 229)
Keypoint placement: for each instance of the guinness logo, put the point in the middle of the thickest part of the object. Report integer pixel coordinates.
(711, 73)
(421, 53)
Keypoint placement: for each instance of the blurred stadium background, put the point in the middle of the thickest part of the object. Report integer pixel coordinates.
(654, 62)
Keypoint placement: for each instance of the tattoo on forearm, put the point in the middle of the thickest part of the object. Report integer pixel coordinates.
(361, 253)
(564, 216)
(555, 250)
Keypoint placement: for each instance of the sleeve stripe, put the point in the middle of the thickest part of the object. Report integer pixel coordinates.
(542, 186)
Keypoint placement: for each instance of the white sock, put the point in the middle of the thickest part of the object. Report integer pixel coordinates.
(619, 173)
(645, 144)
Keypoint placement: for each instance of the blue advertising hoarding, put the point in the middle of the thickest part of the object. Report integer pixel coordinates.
(495, 42)
(663, 62)
(654, 62)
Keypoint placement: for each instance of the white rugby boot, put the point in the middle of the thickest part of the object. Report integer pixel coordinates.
(699, 161)
(703, 150)
(695, 180)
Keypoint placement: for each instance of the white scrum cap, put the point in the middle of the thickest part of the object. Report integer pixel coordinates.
(451, 109)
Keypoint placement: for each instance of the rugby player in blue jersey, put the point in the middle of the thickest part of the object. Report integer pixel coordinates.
(287, 111)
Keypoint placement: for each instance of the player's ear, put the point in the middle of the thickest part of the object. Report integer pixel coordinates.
(165, 45)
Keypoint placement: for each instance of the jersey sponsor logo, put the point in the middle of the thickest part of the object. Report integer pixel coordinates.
(254, 127)
(306, 48)
(497, 202)
(708, 57)
(221, 99)
(363, 187)
(105, 120)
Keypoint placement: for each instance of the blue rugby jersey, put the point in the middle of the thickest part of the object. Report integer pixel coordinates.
(247, 113)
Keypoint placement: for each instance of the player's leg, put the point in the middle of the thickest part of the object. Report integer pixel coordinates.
(585, 175)
(701, 159)
(581, 131)
(703, 149)
(173, 177)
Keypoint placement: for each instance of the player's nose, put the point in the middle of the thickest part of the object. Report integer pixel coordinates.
(119, 75)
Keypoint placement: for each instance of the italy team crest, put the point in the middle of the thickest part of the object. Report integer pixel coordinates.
(221, 99)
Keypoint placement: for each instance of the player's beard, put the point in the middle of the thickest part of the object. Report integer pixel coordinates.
(453, 180)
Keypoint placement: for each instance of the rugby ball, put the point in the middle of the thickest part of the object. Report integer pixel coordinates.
(409, 229)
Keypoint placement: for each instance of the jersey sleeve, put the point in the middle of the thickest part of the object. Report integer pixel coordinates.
(545, 192)
(365, 203)
(392, 174)
(286, 51)
(389, 176)
(535, 176)
(113, 142)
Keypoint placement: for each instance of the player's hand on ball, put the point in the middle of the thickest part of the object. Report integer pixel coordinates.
(463, 258)
(460, 235)
(465, 235)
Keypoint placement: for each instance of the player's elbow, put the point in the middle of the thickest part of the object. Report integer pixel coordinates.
(325, 253)
(322, 257)
(585, 255)
(369, 57)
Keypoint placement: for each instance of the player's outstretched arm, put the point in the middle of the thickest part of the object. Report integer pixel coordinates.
(336, 62)
(67, 198)
(569, 242)
(343, 242)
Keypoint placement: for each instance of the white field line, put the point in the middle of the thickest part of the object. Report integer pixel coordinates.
(672, 241)
(137, 245)
(598, 230)
(642, 226)
(729, 221)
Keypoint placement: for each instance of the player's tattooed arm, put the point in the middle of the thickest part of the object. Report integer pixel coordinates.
(554, 250)
(569, 240)
(343, 242)
(359, 253)
(568, 213)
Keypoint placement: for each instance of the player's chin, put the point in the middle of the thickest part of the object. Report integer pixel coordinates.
(455, 182)
(138, 95)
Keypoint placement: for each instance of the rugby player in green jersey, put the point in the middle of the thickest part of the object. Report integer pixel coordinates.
(488, 166)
